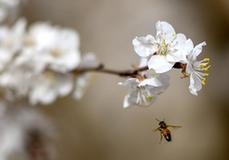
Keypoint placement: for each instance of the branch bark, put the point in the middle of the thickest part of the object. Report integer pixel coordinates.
(122, 73)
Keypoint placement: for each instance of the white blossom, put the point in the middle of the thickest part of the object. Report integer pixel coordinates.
(162, 51)
(197, 70)
(60, 46)
(46, 88)
(143, 92)
(37, 63)
(29, 79)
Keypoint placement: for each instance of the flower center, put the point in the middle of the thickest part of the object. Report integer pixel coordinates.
(163, 49)
(56, 52)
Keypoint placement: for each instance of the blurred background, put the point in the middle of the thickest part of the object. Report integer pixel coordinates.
(97, 127)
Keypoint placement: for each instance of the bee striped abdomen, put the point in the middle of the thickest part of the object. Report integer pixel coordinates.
(167, 135)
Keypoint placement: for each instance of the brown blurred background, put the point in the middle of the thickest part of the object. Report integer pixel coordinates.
(97, 127)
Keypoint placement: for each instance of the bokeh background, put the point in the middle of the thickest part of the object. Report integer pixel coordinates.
(97, 127)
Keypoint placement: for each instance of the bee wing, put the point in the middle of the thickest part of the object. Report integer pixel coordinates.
(173, 126)
(157, 129)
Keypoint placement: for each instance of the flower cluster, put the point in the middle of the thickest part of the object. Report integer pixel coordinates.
(42, 62)
(161, 53)
(36, 62)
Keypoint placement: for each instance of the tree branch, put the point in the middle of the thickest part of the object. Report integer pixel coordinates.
(122, 73)
(101, 69)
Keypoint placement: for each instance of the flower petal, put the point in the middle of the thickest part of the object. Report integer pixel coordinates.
(159, 64)
(126, 102)
(151, 82)
(179, 41)
(198, 49)
(143, 62)
(165, 30)
(176, 56)
(189, 45)
(144, 46)
(195, 84)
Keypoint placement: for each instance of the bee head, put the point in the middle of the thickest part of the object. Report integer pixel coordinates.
(162, 124)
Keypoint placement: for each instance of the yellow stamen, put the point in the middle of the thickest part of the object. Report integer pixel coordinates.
(149, 98)
(206, 68)
(203, 82)
(203, 65)
(206, 60)
(163, 48)
(205, 74)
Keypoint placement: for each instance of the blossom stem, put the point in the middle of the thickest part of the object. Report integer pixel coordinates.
(122, 73)
(101, 69)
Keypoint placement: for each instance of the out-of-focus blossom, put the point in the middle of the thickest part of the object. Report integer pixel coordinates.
(89, 60)
(164, 50)
(37, 63)
(144, 92)
(20, 74)
(47, 87)
(9, 8)
(25, 135)
(60, 46)
(11, 41)
(197, 70)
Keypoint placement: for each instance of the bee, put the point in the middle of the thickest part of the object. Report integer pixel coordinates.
(164, 131)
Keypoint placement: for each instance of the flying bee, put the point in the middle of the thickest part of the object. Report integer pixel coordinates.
(164, 131)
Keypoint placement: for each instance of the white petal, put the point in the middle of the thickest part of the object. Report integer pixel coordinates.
(151, 82)
(159, 64)
(144, 46)
(143, 62)
(195, 84)
(198, 49)
(126, 102)
(178, 51)
(189, 68)
(81, 85)
(65, 86)
(177, 56)
(165, 30)
(89, 60)
(130, 82)
(180, 40)
(189, 45)
(20, 26)
(66, 62)
(42, 95)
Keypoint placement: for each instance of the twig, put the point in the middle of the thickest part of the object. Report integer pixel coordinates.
(101, 69)
(122, 73)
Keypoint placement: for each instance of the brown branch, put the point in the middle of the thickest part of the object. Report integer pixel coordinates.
(101, 69)
(122, 73)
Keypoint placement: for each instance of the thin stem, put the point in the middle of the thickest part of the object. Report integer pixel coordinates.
(122, 73)
(101, 69)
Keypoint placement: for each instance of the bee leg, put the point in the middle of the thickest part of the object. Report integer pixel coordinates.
(157, 129)
(161, 138)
